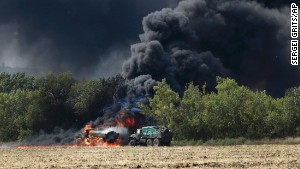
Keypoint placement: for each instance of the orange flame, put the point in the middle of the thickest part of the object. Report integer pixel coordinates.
(45, 146)
(117, 143)
(120, 123)
(130, 122)
(97, 141)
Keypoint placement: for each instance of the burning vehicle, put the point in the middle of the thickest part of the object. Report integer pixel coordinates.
(92, 137)
(151, 136)
(111, 129)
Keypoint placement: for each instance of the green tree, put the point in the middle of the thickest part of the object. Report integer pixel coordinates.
(255, 115)
(5, 82)
(54, 91)
(191, 113)
(234, 111)
(88, 97)
(17, 81)
(224, 110)
(237, 111)
(292, 106)
(18, 115)
(164, 105)
(278, 121)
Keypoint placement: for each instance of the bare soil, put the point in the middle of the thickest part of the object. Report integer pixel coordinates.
(244, 156)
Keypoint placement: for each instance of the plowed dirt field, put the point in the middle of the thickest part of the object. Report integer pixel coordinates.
(244, 156)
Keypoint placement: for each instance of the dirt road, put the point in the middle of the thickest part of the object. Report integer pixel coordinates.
(257, 156)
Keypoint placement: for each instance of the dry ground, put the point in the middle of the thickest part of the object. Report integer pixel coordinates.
(245, 156)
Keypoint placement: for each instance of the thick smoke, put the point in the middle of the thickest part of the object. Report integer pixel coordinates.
(199, 40)
(141, 86)
(122, 118)
(70, 35)
(58, 137)
(195, 41)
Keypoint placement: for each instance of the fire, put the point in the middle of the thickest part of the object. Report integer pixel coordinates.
(45, 146)
(117, 143)
(130, 121)
(92, 135)
(120, 123)
(125, 120)
(96, 141)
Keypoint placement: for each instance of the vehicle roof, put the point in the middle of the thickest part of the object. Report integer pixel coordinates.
(155, 127)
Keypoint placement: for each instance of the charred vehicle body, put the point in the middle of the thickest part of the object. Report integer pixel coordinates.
(92, 137)
(151, 136)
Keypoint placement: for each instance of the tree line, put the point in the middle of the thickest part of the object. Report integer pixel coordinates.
(29, 104)
(232, 111)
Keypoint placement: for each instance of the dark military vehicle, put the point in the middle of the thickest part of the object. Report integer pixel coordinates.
(151, 136)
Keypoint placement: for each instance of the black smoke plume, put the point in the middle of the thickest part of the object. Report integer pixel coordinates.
(200, 39)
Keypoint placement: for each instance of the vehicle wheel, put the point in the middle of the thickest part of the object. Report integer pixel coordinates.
(93, 142)
(87, 141)
(149, 142)
(168, 143)
(132, 142)
(156, 142)
(78, 141)
(100, 143)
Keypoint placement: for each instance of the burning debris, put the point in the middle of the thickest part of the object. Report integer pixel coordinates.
(112, 131)
(92, 137)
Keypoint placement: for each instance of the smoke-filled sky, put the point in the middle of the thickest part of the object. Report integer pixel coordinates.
(201, 39)
(191, 40)
(91, 38)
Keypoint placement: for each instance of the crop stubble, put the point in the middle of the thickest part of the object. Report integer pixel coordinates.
(244, 156)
